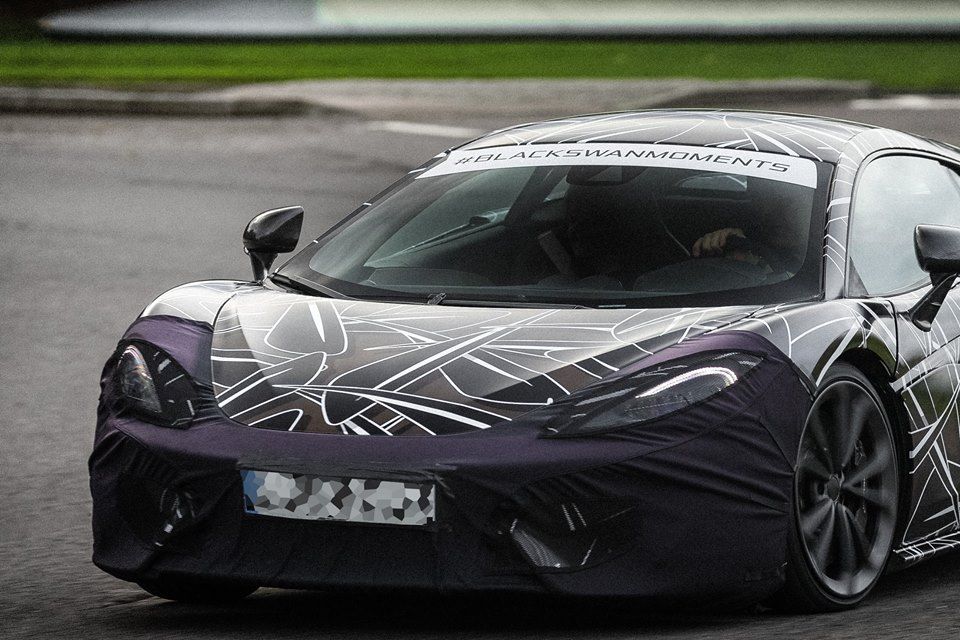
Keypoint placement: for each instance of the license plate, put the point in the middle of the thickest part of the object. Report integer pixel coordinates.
(364, 500)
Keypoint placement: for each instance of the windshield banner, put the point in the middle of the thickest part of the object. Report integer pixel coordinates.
(772, 166)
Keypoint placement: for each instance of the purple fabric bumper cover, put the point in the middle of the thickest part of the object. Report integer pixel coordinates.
(711, 485)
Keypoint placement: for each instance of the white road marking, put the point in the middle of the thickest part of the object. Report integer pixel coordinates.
(422, 129)
(909, 102)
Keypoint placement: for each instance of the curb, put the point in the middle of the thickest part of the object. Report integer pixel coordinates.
(765, 92)
(104, 102)
(309, 100)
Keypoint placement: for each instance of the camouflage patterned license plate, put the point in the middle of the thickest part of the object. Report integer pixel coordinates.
(309, 497)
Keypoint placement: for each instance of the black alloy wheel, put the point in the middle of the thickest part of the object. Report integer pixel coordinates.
(846, 491)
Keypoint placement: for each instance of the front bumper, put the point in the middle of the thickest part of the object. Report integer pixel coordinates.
(697, 511)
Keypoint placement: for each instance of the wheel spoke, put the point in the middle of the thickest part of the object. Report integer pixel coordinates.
(850, 426)
(846, 546)
(860, 540)
(821, 441)
(874, 466)
(812, 465)
(811, 520)
(837, 417)
(876, 499)
(821, 548)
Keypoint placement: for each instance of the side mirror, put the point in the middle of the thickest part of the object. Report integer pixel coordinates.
(938, 252)
(271, 233)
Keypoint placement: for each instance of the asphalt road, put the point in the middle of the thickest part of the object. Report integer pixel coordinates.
(99, 215)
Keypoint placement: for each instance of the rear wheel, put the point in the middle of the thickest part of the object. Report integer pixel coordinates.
(196, 591)
(846, 490)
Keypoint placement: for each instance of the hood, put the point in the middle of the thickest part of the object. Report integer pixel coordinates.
(301, 363)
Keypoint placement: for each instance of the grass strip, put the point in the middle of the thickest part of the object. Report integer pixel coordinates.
(928, 65)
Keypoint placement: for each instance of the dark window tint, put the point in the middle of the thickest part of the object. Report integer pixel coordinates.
(578, 234)
(893, 196)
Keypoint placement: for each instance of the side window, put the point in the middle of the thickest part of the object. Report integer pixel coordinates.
(895, 194)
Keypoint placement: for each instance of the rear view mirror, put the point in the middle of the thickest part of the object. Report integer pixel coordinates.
(271, 233)
(938, 252)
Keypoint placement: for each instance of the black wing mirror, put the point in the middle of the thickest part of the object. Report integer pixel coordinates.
(270, 233)
(938, 252)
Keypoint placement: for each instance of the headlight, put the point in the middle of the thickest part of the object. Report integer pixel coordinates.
(154, 387)
(653, 394)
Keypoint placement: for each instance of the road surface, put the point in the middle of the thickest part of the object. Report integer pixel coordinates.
(98, 215)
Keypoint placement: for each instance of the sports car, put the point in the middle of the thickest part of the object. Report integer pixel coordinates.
(673, 356)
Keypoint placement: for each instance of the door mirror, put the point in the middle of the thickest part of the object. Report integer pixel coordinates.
(938, 252)
(938, 248)
(271, 233)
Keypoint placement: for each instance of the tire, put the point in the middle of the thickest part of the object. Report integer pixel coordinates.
(197, 591)
(846, 492)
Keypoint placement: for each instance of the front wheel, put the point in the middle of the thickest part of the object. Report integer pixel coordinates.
(846, 491)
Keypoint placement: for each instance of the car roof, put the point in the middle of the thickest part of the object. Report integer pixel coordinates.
(813, 137)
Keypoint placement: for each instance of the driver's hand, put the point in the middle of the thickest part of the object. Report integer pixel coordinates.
(713, 243)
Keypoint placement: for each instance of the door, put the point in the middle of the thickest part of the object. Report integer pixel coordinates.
(893, 194)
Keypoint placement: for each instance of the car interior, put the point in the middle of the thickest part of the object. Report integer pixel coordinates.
(583, 228)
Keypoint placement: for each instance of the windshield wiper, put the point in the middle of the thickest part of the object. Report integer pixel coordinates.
(439, 298)
(302, 287)
(519, 300)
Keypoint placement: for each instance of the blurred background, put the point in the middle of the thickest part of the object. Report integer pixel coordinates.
(894, 44)
(138, 138)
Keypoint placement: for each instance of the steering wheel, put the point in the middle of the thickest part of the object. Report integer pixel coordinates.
(739, 243)
(702, 275)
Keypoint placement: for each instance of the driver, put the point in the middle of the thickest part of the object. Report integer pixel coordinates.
(714, 244)
(777, 243)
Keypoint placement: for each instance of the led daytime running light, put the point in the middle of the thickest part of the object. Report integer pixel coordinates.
(729, 377)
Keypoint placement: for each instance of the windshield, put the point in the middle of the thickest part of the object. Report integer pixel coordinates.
(662, 226)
